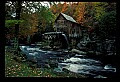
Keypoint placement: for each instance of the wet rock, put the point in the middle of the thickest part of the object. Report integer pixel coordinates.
(78, 51)
(58, 70)
(53, 63)
(110, 68)
(47, 66)
(79, 64)
(33, 49)
(100, 76)
(79, 56)
(72, 59)
(98, 53)
(110, 54)
(61, 65)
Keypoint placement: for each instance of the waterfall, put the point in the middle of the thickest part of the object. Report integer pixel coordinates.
(66, 40)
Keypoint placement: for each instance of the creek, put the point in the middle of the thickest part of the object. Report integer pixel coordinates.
(78, 63)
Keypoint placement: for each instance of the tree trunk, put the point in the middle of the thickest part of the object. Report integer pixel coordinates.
(16, 43)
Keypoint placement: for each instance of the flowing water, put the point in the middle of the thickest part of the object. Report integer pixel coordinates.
(90, 67)
(78, 63)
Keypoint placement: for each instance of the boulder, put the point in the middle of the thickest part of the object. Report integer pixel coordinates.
(78, 51)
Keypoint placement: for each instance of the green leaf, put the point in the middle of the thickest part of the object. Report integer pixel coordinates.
(9, 23)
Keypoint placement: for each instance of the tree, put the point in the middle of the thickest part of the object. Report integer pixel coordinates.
(64, 8)
(99, 9)
(16, 43)
(108, 25)
(33, 17)
(45, 17)
(105, 14)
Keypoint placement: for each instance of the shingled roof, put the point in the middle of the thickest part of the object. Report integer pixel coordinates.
(68, 18)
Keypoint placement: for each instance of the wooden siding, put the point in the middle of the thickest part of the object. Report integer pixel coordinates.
(71, 28)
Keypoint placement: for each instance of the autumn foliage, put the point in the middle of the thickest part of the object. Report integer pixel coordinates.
(88, 14)
(75, 9)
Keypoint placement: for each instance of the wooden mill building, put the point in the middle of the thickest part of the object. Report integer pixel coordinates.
(68, 25)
